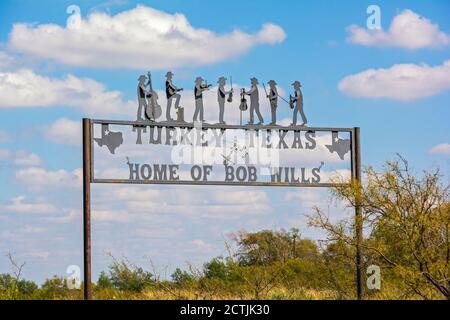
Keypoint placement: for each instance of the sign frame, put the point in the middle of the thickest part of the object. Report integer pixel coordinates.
(88, 178)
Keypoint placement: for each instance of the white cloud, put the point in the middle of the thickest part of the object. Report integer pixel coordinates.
(137, 194)
(6, 61)
(408, 30)
(24, 88)
(400, 82)
(144, 203)
(27, 159)
(20, 157)
(40, 179)
(70, 215)
(139, 38)
(43, 255)
(303, 196)
(20, 205)
(64, 131)
(241, 197)
(32, 229)
(443, 148)
(5, 154)
(307, 199)
(4, 136)
(110, 215)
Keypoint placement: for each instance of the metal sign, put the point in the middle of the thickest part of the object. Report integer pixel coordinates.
(203, 154)
(175, 151)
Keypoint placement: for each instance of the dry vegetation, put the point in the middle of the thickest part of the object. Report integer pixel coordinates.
(406, 218)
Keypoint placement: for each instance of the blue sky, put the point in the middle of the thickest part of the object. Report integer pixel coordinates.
(401, 106)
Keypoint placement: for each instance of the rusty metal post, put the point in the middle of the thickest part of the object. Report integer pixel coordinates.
(87, 170)
(356, 175)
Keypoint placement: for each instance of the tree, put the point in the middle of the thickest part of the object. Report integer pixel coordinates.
(104, 281)
(126, 276)
(267, 247)
(406, 218)
(216, 268)
(54, 288)
(182, 277)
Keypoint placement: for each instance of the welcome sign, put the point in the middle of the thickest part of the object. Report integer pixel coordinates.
(180, 152)
(209, 154)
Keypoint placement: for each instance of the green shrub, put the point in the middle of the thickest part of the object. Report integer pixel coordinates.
(53, 288)
(128, 277)
(182, 277)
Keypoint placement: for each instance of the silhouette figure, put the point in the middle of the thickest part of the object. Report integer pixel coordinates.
(221, 95)
(254, 101)
(273, 98)
(340, 146)
(142, 94)
(112, 140)
(153, 110)
(171, 94)
(198, 93)
(298, 100)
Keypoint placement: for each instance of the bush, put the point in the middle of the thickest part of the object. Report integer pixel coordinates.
(104, 282)
(127, 277)
(11, 288)
(216, 268)
(182, 277)
(53, 288)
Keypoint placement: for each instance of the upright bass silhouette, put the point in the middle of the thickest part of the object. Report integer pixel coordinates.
(153, 110)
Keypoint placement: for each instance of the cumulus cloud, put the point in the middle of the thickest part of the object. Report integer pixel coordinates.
(40, 179)
(4, 136)
(64, 131)
(408, 30)
(145, 203)
(399, 82)
(68, 216)
(6, 61)
(139, 38)
(24, 88)
(443, 148)
(306, 198)
(27, 159)
(20, 204)
(20, 158)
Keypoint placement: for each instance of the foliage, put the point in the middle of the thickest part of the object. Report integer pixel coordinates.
(13, 288)
(182, 277)
(126, 276)
(407, 219)
(54, 288)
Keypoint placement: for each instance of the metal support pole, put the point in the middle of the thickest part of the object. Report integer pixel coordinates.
(87, 208)
(356, 175)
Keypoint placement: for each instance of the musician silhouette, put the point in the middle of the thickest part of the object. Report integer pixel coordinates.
(273, 98)
(298, 100)
(221, 94)
(254, 101)
(198, 93)
(142, 94)
(171, 94)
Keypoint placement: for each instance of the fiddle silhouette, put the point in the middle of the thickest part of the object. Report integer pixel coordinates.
(230, 95)
(243, 106)
(221, 94)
